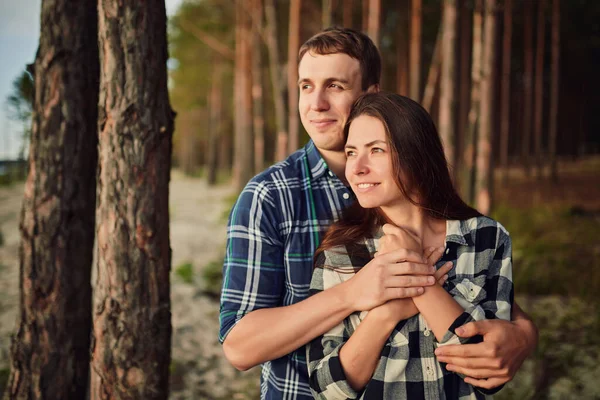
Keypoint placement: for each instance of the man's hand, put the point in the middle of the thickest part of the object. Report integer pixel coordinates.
(494, 361)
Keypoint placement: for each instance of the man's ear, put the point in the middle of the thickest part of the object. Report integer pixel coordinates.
(373, 88)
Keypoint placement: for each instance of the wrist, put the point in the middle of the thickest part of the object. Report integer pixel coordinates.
(529, 333)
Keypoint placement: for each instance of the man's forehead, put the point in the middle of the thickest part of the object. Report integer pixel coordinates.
(315, 66)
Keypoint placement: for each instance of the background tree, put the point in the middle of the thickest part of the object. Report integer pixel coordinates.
(131, 346)
(527, 85)
(538, 109)
(292, 74)
(374, 21)
(555, 79)
(415, 49)
(50, 348)
(505, 90)
(20, 104)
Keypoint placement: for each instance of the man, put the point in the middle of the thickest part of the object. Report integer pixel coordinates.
(275, 227)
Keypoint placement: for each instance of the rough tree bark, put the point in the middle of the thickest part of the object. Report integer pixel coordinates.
(50, 348)
(274, 68)
(505, 90)
(484, 177)
(131, 349)
(293, 46)
(415, 49)
(447, 124)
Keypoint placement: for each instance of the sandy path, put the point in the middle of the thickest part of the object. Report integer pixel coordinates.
(199, 370)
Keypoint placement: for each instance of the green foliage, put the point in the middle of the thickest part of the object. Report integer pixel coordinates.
(4, 374)
(213, 277)
(19, 103)
(1, 239)
(185, 271)
(555, 250)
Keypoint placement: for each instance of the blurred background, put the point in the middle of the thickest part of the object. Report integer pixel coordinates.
(518, 75)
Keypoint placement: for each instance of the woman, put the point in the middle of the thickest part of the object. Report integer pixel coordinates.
(397, 169)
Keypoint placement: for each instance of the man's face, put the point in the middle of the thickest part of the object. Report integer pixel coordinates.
(329, 85)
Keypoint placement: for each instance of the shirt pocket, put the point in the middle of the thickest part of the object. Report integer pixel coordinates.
(471, 291)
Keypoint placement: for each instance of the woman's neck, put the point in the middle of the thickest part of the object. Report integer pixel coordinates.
(431, 231)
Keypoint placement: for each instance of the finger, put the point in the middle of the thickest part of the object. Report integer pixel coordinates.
(487, 383)
(470, 363)
(442, 280)
(427, 252)
(408, 268)
(460, 350)
(435, 255)
(405, 281)
(402, 293)
(476, 373)
(473, 328)
(444, 269)
(402, 255)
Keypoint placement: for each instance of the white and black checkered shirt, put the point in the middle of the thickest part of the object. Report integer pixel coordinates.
(480, 281)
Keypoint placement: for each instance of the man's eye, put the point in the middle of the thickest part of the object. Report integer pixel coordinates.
(335, 86)
(350, 153)
(304, 87)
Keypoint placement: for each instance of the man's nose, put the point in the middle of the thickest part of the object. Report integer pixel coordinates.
(319, 101)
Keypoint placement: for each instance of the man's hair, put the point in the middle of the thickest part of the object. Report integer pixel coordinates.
(353, 43)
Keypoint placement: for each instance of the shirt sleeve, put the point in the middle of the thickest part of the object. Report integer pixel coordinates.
(325, 373)
(253, 270)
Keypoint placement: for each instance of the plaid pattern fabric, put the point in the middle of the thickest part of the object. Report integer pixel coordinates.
(273, 231)
(481, 282)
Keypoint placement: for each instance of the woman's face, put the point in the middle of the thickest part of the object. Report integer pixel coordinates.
(369, 164)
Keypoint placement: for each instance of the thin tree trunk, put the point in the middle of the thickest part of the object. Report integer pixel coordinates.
(50, 348)
(539, 87)
(274, 68)
(470, 140)
(434, 72)
(347, 13)
(365, 15)
(415, 49)
(554, 74)
(447, 121)
(484, 182)
(131, 347)
(243, 162)
(293, 46)
(464, 80)
(505, 94)
(374, 20)
(257, 94)
(215, 109)
(402, 49)
(527, 86)
(327, 13)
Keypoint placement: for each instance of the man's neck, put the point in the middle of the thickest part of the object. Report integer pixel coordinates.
(336, 161)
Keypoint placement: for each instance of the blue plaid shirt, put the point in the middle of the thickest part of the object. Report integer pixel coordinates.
(273, 232)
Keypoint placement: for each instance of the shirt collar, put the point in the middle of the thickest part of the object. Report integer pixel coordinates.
(317, 165)
(459, 231)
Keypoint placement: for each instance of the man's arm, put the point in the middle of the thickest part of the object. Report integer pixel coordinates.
(495, 361)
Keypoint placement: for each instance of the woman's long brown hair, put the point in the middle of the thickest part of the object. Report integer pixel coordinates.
(417, 154)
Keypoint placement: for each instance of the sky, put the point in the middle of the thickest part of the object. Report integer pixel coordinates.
(19, 35)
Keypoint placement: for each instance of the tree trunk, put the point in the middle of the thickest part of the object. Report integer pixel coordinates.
(215, 108)
(374, 21)
(484, 177)
(554, 76)
(365, 15)
(402, 49)
(274, 68)
(539, 87)
(50, 348)
(415, 49)
(464, 80)
(434, 72)
(470, 139)
(447, 121)
(131, 345)
(257, 94)
(505, 94)
(327, 13)
(527, 85)
(293, 46)
(347, 13)
(243, 162)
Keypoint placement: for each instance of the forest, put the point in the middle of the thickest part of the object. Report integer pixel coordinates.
(140, 130)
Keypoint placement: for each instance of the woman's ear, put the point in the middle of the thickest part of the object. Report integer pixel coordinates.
(373, 88)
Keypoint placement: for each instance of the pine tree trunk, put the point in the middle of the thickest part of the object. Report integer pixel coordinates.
(402, 49)
(527, 86)
(484, 182)
(554, 76)
(467, 178)
(293, 46)
(131, 345)
(50, 348)
(258, 120)
(433, 75)
(505, 90)
(415, 49)
(365, 15)
(464, 80)
(347, 13)
(274, 68)
(215, 123)
(243, 161)
(327, 13)
(539, 87)
(447, 121)
(374, 20)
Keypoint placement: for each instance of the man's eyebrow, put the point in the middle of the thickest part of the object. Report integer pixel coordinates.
(328, 80)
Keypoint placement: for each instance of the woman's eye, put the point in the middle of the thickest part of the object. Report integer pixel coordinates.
(377, 150)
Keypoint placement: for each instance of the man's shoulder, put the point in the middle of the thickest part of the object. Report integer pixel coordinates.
(292, 169)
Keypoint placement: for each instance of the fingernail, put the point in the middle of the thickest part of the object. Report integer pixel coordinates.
(449, 367)
(431, 280)
(439, 352)
(460, 330)
(432, 270)
(420, 290)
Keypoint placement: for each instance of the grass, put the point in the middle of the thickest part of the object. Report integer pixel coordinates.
(185, 272)
(4, 374)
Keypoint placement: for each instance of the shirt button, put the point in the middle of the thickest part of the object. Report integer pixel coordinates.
(426, 332)
(448, 250)
(330, 173)
(429, 371)
(346, 196)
